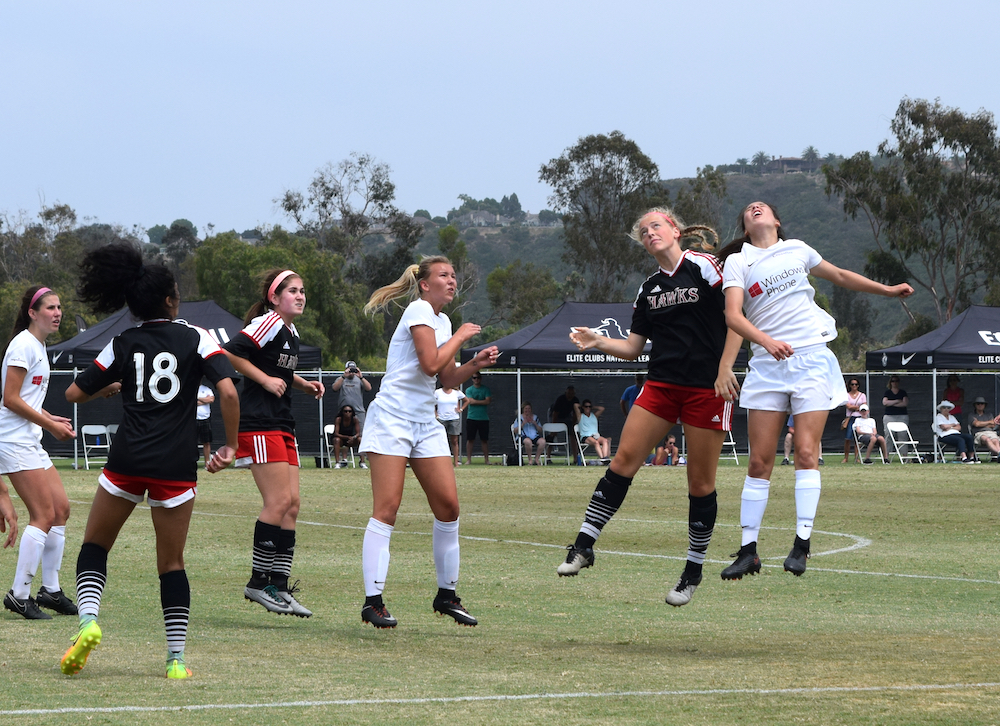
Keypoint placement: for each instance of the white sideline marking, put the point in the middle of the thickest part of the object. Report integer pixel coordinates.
(497, 698)
(859, 542)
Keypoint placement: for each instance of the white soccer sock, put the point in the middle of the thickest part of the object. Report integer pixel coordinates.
(29, 554)
(752, 505)
(807, 488)
(375, 556)
(52, 557)
(446, 553)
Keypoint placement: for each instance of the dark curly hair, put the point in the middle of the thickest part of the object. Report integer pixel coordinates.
(114, 275)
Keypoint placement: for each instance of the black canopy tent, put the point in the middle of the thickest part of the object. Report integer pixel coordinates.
(80, 350)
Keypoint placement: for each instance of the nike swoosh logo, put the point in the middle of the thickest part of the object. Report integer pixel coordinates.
(57, 356)
(906, 359)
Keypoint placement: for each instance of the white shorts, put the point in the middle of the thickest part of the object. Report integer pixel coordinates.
(23, 457)
(386, 433)
(808, 381)
(980, 435)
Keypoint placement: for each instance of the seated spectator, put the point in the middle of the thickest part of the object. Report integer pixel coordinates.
(868, 435)
(667, 453)
(631, 393)
(448, 406)
(588, 431)
(949, 432)
(983, 427)
(529, 429)
(346, 433)
(789, 440)
(566, 410)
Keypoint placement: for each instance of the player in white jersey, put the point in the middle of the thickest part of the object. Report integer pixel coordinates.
(25, 375)
(680, 308)
(157, 367)
(401, 429)
(769, 301)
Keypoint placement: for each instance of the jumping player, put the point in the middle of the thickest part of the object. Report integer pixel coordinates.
(266, 353)
(157, 366)
(25, 376)
(401, 429)
(769, 301)
(680, 309)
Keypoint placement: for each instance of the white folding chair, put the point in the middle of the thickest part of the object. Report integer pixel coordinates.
(112, 431)
(583, 444)
(560, 437)
(731, 442)
(903, 442)
(94, 438)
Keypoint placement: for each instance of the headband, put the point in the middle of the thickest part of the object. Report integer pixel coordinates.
(277, 281)
(37, 296)
(672, 223)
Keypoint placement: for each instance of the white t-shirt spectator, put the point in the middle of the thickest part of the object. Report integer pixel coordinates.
(447, 404)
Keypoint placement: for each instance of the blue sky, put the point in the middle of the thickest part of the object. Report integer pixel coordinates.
(141, 113)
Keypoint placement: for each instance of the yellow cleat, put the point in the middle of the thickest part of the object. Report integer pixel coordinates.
(86, 640)
(177, 669)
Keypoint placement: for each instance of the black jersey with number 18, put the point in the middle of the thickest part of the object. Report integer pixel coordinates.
(683, 314)
(160, 365)
(273, 347)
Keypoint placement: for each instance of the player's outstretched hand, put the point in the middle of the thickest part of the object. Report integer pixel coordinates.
(583, 338)
(726, 385)
(221, 459)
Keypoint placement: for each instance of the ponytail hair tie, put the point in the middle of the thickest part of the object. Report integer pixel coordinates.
(277, 281)
(38, 295)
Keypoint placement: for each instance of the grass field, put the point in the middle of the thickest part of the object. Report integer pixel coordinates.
(896, 621)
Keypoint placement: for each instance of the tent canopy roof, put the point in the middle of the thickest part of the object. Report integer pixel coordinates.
(80, 350)
(546, 343)
(969, 341)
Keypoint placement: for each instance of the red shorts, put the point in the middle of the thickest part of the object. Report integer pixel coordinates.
(698, 407)
(267, 447)
(162, 492)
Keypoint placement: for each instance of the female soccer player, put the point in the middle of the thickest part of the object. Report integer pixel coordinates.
(401, 429)
(680, 309)
(769, 301)
(157, 366)
(266, 353)
(25, 375)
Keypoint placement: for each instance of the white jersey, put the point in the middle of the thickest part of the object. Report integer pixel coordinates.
(777, 296)
(447, 404)
(27, 352)
(407, 391)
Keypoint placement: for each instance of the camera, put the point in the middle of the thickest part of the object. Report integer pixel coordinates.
(355, 371)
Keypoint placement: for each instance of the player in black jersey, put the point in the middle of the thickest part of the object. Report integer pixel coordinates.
(266, 353)
(157, 367)
(680, 309)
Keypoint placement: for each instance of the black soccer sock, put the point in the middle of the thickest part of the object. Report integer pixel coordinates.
(702, 512)
(265, 544)
(281, 570)
(91, 577)
(604, 502)
(175, 599)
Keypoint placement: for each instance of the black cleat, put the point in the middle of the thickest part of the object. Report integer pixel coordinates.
(56, 601)
(576, 560)
(796, 560)
(27, 608)
(747, 563)
(451, 605)
(378, 616)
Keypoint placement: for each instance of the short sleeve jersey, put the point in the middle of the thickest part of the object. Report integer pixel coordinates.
(160, 365)
(273, 347)
(27, 352)
(777, 297)
(682, 312)
(984, 417)
(630, 394)
(447, 403)
(407, 391)
(897, 409)
(477, 413)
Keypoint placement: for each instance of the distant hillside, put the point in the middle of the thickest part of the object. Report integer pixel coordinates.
(805, 210)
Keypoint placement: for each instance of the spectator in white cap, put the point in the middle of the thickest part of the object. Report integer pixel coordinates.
(983, 427)
(352, 386)
(949, 432)
(865, 428)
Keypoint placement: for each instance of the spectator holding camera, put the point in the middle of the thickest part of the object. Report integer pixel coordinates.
(352, 386)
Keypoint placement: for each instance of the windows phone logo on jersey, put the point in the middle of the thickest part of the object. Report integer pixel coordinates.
(755, 290)
(36, 380)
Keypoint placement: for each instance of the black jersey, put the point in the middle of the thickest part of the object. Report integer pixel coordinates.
(160, 365)
(683, 314)
(274, 348)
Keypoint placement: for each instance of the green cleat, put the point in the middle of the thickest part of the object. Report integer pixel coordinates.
(86, 640)
(177, 669)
